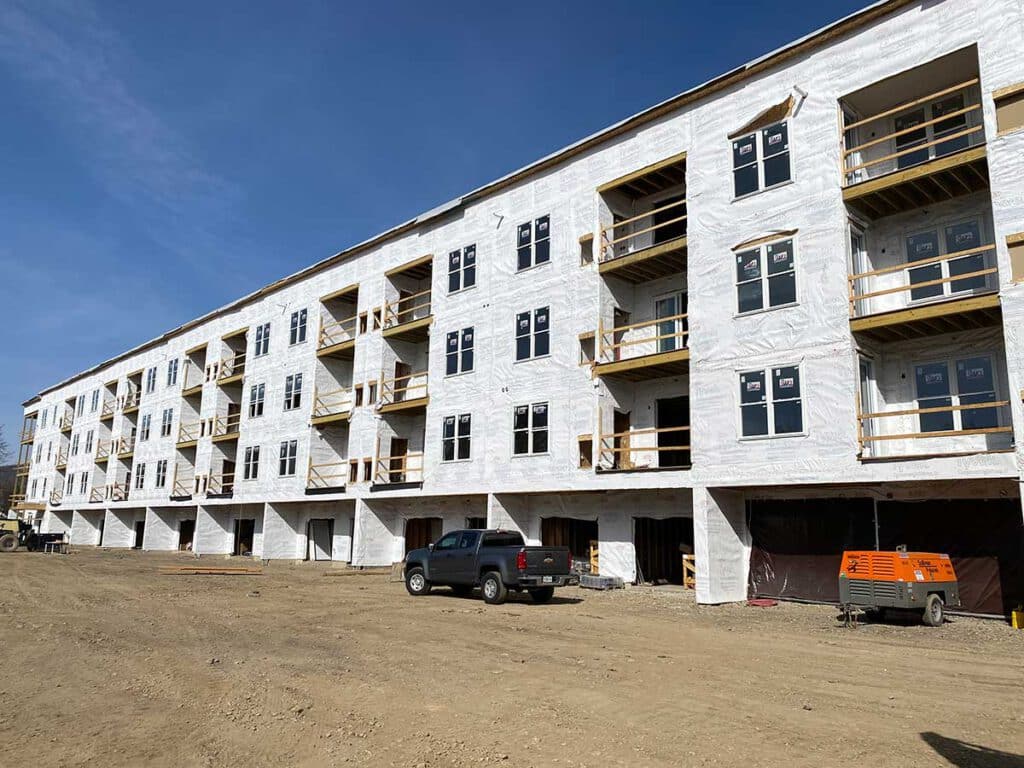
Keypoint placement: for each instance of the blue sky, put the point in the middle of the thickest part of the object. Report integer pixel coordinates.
(161, 159)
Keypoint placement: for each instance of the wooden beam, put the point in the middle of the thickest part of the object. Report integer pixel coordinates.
(420, 262)
(965, 158)
(639, 174)
(925, 312)
(353, 288)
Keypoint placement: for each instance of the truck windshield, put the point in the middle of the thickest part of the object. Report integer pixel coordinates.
(502, 540)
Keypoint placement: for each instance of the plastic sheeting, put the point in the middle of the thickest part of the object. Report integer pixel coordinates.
(798, 545)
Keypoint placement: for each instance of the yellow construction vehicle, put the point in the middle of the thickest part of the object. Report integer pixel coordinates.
(16, 533)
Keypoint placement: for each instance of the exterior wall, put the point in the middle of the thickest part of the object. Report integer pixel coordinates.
(162, 527)
(814, 333)
(85, 527)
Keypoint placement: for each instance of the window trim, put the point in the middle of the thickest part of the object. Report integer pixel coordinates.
(762, 249)
(462, 270)
(160, 475)
(251, 463)
(298, 325)
(760, 160)
(459, 351)
(532, 335)
(259, 389)
(534, 264)
(770, 400)
(294, 458)
(261, 337)
(293, 400)
(456, 437)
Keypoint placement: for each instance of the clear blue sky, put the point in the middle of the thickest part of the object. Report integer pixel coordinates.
(158, 160)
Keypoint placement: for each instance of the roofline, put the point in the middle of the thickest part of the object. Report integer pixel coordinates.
(754, 67)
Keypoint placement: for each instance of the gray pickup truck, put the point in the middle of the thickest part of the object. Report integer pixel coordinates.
(496, 561)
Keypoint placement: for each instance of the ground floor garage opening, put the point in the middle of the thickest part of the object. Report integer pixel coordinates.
(421, 531)
(660, 546)
(580, 536)
(140, 534)
(797, 544)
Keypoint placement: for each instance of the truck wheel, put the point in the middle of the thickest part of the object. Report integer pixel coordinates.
(493, 589)
(416, 583)
(8, 542)
(934, 612)
(542, 594)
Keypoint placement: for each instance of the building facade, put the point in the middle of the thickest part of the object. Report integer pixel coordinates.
(769, 319)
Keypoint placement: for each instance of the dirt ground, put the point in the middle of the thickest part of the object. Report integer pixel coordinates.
(108, 663)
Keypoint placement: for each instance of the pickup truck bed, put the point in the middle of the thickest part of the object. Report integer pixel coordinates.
(496, 561)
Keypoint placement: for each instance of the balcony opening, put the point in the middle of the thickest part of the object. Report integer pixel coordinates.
(244, 537)
(231, 367)
(916, 138)
(340, 323)
(421, 531)
(186, 534)
(643, 222)
(407, 312)
(649, 348)
(580, 536)
(195, 371)
(328, 459)
(660, 546)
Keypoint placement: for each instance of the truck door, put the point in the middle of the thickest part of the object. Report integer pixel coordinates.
(443, 558)
(464, 559)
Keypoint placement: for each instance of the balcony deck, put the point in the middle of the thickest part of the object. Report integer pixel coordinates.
(949, 316)
(635, 352)
(409, 318)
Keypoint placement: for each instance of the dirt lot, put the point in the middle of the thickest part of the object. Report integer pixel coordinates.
(108, 663)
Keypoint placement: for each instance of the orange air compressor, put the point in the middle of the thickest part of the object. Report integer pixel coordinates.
(913, 581)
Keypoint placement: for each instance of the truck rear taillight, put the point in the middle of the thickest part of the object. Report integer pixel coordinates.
(521, 560)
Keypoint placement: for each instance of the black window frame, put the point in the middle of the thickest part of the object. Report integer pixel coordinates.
(533, 334)
(760, 143)
(293, 392)
(297, 327)
(459, 355)
(457, 438)
(527, 433)
(533, 250)
(765, 399)
(462, 269)
(287, 459)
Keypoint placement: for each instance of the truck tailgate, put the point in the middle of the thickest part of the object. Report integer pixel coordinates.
(547, 561)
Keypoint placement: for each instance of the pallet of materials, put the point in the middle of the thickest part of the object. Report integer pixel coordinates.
(209, 570)
(589, 581)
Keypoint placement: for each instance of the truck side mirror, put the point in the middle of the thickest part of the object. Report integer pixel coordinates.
(430, 546)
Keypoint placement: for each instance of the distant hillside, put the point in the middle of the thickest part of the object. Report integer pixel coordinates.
(6, 486)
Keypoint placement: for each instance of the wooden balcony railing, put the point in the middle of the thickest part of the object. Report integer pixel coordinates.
(28, 434)
(403, 388)
(871, 426)
(618, 450)
(62, 457)
(103, 448)
(130, 401)
(192, 377)
(67, 421)
(183, 481)
(220, 484)
(108, 409)
(115, 492)
(124, 446)
(16, 498)
(222, 426)
(329, 475)
(96, 495)
(334, 403)
(189, 433)
(648, 337)
(858, 162)
(336, 331)
(231, 366)
(22, 467)
(942, 287)
(406, 468)
(407, 309)
(56, 497)
(617, 240)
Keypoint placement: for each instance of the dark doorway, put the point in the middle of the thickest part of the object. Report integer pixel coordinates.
(398, 457)
(403, 372)
(621, 456)
(228, 483)
(140, 532)
(476, 522)
(99, 531)
(186, 534)
(660, 546)
(620, 320)
(577, 535)
(421, 531)
(245, 533)
(669, 231)
(673, 413)
(321, 537)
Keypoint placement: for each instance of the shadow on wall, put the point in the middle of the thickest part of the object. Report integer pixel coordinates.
(965, 755)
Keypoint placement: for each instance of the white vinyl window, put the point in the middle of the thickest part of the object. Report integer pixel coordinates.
(95, 404)
(140, 477)
(74, 444)
(462, 269)
(459, 352)
(160, 480)
(770, 402)
(533, 334)
(765, 277)
(951, 384)
(530, 429)
(251, 465)
(533, 244)
(151, 380)
(289, 452)
(144, 430)
(83, 483)
(293, 392)
(760, 160)
(297, 329)
(80, 405)
(172, 372)
(88, 442)
(456, 437)
(256, 395)
(166, 419)
(262, 345)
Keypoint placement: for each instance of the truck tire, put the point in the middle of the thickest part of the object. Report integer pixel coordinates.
(8, 543)
(416, 583)
(934, 611)
(493, 588)
(542, 594)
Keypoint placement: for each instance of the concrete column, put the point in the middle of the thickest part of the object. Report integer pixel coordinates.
(721, 545)
(214, 532)
(374, 542)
